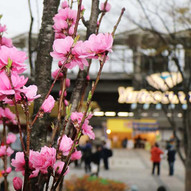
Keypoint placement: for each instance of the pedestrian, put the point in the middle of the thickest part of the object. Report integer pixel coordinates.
(106, 153)
(87, 152)
(171, 159)
(95, 158)
(156, 158)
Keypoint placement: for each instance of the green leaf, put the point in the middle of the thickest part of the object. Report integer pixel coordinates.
(89, 96)
(52, 126)
(76, 39)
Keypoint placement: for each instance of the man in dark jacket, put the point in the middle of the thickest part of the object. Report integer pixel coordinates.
(171, 159)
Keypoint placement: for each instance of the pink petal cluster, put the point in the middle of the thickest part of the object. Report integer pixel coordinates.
(17, 183)
(105, 8)
(65, 145)
(7, 171)
(5, 85)
(64, 21)
(64, 4)
(16, 57)
(76, 117)
(5, 151)
(58, 166)
(48, 104)
(96, 46)
(7, 115)
(55, 73)
(11, 138)
(19, 162)
(2, 28)
(44, 159)
(63, 48)
(76, 155)
(6, 42)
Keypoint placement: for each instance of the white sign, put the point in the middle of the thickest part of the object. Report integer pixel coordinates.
(129, 95)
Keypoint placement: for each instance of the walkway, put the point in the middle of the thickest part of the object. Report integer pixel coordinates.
(134, 168)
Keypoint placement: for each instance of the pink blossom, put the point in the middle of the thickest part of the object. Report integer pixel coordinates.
(88, 77)
(87, 130)
(2, 28)
(76, 117)
(48, 104)
(7, 115)
(58, 166)
(105, 8)
(5, 85)
(63, 49)
(96, 46)
(17, 183)
(19, 162)
(67, 82)
(5, 151)
(54, 74)
(8, 170)
(65, 102)
(64, 4)
(11, 138)
(76, 155)
(6, 42)
(65, 145)
(30, 92)
(67, 15)
(13, 56)
(46, 158)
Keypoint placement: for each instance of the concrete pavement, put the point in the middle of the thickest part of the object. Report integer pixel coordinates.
(133, 167)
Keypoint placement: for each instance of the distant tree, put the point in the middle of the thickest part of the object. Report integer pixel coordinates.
(171, 27)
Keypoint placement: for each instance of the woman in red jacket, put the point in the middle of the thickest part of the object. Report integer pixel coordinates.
(156, 158)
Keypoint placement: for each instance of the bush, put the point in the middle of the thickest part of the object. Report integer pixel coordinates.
(91, 183)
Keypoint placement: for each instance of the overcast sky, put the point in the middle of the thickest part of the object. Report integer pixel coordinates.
(16, 14)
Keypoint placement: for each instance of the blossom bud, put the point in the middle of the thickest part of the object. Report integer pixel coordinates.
(17, 183)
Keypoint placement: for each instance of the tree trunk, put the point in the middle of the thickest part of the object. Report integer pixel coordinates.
(43, 69)
(81, 79)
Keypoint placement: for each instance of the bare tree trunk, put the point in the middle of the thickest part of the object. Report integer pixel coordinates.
(43, 69)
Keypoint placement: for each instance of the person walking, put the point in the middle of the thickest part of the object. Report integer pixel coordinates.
(87, 152)
(156, 158)
(171, 159)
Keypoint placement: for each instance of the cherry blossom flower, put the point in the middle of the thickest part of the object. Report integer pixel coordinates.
(5, 85)
(54, 74)
(65, 145)
(63, 49)
(13, 57)
(96, 46)
(48, 104)
(17, 183)
(64, 4)
(105, 8)
(76, 117)
(58, 166)
(46, 158)
(2, 28)
(8, 170)
(6, 42)
(87, 130)
(4, 150)
(19, 162)
(76, 155)
(11, 138)
(7, 115)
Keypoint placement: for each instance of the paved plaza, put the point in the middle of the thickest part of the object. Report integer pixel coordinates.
(134, 168)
